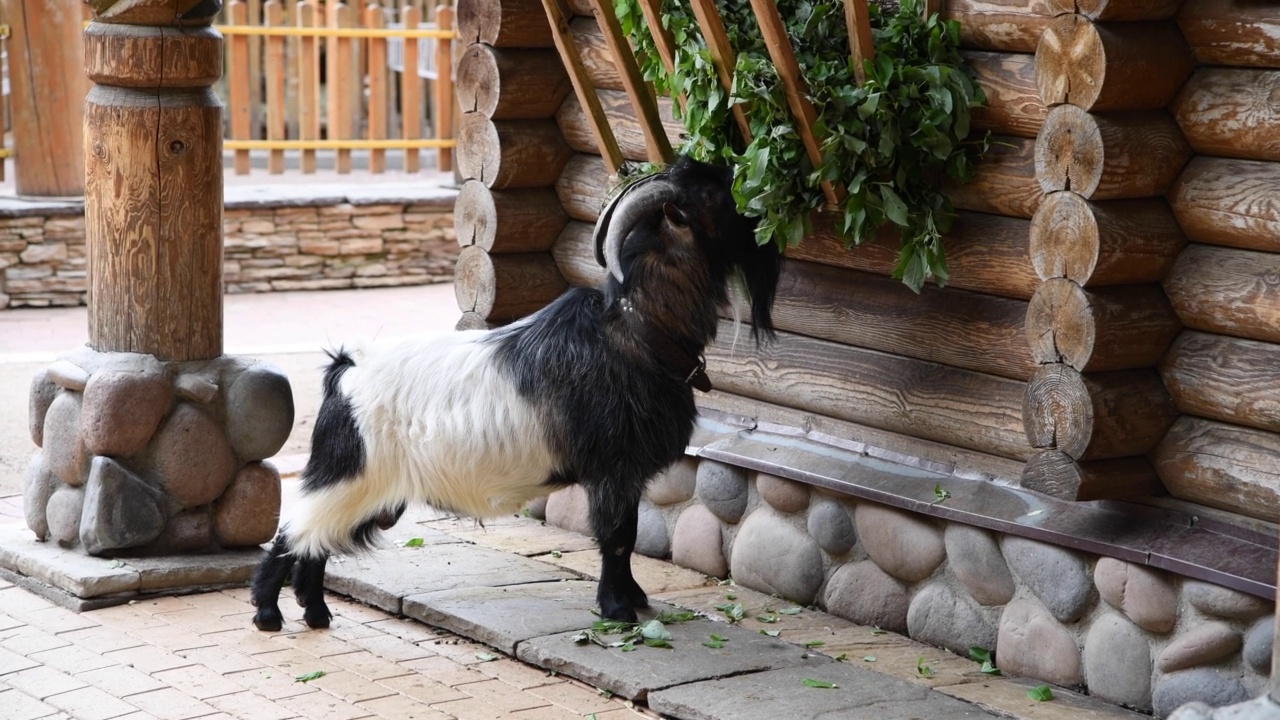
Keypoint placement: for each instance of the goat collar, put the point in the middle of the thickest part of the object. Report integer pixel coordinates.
(692, 368)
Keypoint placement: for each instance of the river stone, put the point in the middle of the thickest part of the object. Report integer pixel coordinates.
(120, 510)
(651, 532)
(187, 532)
(248, 512)
(1059, 577)
(1117, 662)
(1031, 643)
(940, 616)
(1141, 593)
(568, 508)
(1201, 645)
(123, 408)
(63, 512)
(975, 560)
(723, 489)
(1224, 602)
(259, 411)
(867, 595)
(39, 486)
(830, 524)
(192, 456)
(675, 484)
(773, 556)
(1258, 642)
(43, 390)
(906, 546)
(1211, 686)
(63, 448)
(696, 542)
(783, 495)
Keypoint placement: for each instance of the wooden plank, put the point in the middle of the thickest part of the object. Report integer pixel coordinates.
(1222, 466)
(503, 288)
(309, 15)
(606, 143)
(663, 42)
(1229, 202)
(1118, 10)
(1225, 378)
(639, 92)
(507, 154)
(411, 93)
(275, 69)
(377, 51)
(722, 57)
(862, 48)
(241, 109)
(1054, 473)
(444, 88)
(1228, 291)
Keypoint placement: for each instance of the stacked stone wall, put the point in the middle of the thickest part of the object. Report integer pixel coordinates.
(1130, 634)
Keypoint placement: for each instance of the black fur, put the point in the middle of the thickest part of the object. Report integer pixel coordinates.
(341, 453)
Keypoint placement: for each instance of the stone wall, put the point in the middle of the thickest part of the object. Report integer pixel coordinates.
(272, 241)
(1130, 634)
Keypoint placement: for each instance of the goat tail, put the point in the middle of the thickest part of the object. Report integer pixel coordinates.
(339, 361)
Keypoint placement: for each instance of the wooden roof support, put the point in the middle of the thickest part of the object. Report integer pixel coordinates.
(638, 91)
(861, 46)
(605, 139)
(662, 40)
(721, 56)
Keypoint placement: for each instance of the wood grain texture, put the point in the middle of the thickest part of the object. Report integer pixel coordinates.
(1232, 32)
(596, 57)
(503, 288)
(1235, 203)
(1231, 112)
(1225, 378)
(1107, 328)
(504, 221)
(1004, 181)
(911, 397)
(1054, 473)
(583, 186)
(511, 84)
(1112, 242)
(575, 256)
(1013, 102)
(1117, 10)
(1111, 66)
(1096, 416)
(1008, 25)
(507, 154)
(1222, 466)
(622, 120)
(1109, 156)
(1227, 291)
(504, 23)
(603, 139)
(639, 92)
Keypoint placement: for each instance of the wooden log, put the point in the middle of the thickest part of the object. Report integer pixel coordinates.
(1107, 328)
(639, 92)
(985, 253)
(595, 54)
(503, 288)
(1054, 473)
(1222, 466)
(1013, 102)
(1007, 25)
(575, 256)
(1229, 202)
(602, 136)
(1224, 378)
(47, 87)
(1232, 32)
(1227, 291)
(912, 397)
(507, 154)
(1096, 416)
(583, 186)
(153, 191)
(1117, 10)
(1109, 156)
(506, 221)
(1113, 242)
(473, 321)
(1231, 112)
(622, 119)
(511, 84)
(983, 333)
(504, 23)
(1112, 66)
(1004, 181)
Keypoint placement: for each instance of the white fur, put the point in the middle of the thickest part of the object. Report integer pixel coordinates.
(441, 426)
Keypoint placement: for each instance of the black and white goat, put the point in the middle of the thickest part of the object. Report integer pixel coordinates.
(594, 389)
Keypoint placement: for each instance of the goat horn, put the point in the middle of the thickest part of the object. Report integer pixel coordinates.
(622, 214)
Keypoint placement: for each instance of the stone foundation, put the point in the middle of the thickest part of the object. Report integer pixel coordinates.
(142, 457)
(273, 240)
(1130, 634)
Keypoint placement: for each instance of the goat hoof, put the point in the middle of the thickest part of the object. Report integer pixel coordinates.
(619, 612)
(268, 619)
(317, 617)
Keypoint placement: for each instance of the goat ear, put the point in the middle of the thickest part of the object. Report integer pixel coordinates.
(675, 215)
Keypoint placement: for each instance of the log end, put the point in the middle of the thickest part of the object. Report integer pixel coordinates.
(1069, 152)
(479, 83)
(1070, 62)
(1053, 473)
(475, 217)
(1064, 238)
(1060, 324)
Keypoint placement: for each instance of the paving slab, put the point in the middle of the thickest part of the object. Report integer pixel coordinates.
(859, 695)
(636, 674)
(383, 578)
(655, 576)
(1008, 697)
(529, 538)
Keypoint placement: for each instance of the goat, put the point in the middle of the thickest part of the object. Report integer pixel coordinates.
(594, 389)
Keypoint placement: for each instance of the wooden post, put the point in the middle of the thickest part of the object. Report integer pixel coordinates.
(444, 87)
(48, 87)
(153, 184)
(411, 92)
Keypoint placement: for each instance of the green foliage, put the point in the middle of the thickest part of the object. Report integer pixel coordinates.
(889, 142)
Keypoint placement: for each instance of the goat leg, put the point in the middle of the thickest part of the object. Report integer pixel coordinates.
(267, 581)
(308, 588)
(614, 518)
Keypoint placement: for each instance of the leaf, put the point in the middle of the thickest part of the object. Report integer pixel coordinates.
(878, 631)
(769, 619)
(486, 657)
(868, 658)
(814, 643)
(791, 611)
(1040, 693)
(582, 637)
(556, 554)
(654, 630)
(713, 643)
(842, 657)
(810, 682)
(939, 495)
(719, 638)
(414, 542)
(894, 208)
(989, 669)
(730, 596)
(979, 654)
(922, 669)
(115, 564)
(770, 633)
(657, 643)
(308, 677)
(733, 611)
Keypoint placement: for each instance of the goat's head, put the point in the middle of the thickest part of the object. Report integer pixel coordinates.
(685, 219)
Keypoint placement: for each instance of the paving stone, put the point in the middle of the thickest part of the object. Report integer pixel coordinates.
(865, 594)
(696, 542)
(91, 703)
(567, 508)
(120, 509)
(1201, 645)
(192, 455)
(674, 485)
(1258, 643)
(654, 576)
(1031, 643)
(651, 532)
(1211, 686)
(785, 496)
(1117, 662)
(259, 410)
(72, 571)
(525, 537)
(382, 578)
(830, 525)
(1143, 594)
(975, 559)
(940, 616)
(1058, 577)
(783, 694)
(506, 616)
(123, 405)
(178, 572)
(20, 706)
(1224, 602)
(723, 489)
(773, 555)
(803, 626)
(248, 512)
(1007, 697)
(635, 674)
(904, 545)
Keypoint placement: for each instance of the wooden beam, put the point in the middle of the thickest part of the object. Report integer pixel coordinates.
(861, 46)
(638, 91)
(606, 143)
(713, 33)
